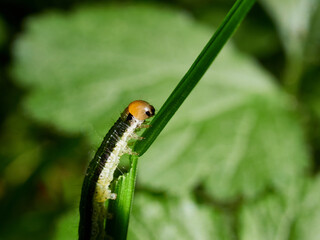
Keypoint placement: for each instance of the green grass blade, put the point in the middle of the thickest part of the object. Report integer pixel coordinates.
(196, 71)
(119, 209)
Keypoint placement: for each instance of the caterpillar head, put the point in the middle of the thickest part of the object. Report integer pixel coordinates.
(140, 110)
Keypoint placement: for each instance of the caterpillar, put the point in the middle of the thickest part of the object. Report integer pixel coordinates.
(96, 185)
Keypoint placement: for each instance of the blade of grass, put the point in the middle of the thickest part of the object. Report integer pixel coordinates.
(196, 71)
(117, 225)
(119, 209)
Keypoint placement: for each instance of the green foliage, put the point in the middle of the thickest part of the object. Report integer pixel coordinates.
(124, 189)
(293, 33)
(291, 214)
(232, 163)
(229, 138)
(233, 19)
(293, 20)
(234, 115)
(102, 58)
(156, 218)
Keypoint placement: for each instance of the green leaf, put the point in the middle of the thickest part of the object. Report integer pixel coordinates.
(195, 72)
(162, 218)
(239, 147)
(293, 20)
(292, 214)
(175, 218)
(120, 209)
(84, 68)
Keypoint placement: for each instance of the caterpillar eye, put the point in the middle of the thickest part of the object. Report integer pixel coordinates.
(129, 117)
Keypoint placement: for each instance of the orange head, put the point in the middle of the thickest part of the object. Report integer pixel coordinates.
(140, 110)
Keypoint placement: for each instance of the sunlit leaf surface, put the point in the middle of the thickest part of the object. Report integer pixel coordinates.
(236, 135)
(176, 218)
(292, 18)
(293, 214)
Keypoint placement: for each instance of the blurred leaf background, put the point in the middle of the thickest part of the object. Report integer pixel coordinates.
(239, 160)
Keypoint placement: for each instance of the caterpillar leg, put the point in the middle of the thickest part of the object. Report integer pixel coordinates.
(136, 137)
(145, 126)
(130, 152)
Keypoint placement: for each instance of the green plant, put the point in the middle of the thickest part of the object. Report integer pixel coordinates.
(232, 161)
(119, 209)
